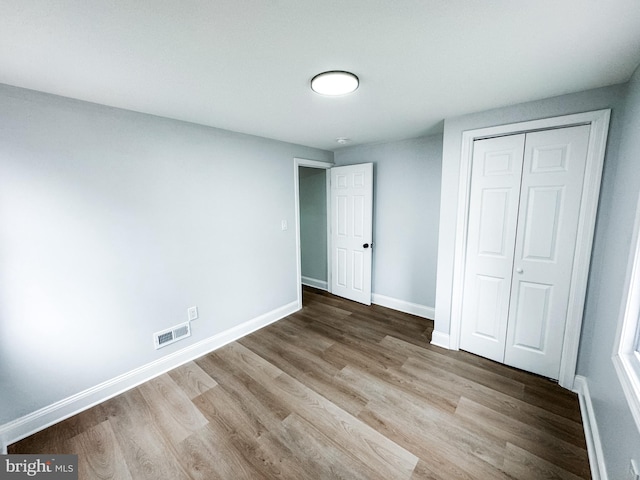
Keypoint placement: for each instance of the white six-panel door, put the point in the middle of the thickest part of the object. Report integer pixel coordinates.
(351, 231)
(553, 173)
(494, 197)
(523, 220)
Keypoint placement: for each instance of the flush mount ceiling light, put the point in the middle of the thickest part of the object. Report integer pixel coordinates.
(334, 83)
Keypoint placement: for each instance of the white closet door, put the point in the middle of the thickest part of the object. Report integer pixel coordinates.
(553, 174)
(493, 213)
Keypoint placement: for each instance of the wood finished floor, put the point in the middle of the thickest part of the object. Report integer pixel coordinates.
(337, 390)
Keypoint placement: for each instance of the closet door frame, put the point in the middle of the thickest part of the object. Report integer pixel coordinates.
(599, 127)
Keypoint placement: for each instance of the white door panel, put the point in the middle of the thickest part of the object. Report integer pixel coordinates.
(495, 188)
(351, 230)
(553, 174)
(542, 222)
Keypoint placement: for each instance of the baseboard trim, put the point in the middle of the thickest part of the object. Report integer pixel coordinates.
(403, 306)
(315, 283)
(592, 436)
(40, 419)
(440, 339)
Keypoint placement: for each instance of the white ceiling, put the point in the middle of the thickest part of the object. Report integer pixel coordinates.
(245, 65)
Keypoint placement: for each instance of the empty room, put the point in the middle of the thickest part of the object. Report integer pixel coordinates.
(315, 240)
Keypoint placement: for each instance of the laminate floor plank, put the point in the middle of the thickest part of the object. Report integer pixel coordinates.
(222, 404)
(99, 454)
(357, 338)
(374, 324)
(211, 454)
(345, 429)
(324, 457)
(147, 453)
(52, 439)
(563, 454)
(248, 393)
(538, 417)
(334, 327)
(479, 375)
(192, 379)
(205, 455)
(445, 429)
(387, 386)
(242, 429)
(417, 336)
(523, 465)
(337, 390)
(288, 355)
(171, 408)
(556, 400)
(425, 471)
(361, 357)
(302, 335)
(320, 379)
(445, 458)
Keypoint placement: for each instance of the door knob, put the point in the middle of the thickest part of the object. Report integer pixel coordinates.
(366, 245)
(519, 270)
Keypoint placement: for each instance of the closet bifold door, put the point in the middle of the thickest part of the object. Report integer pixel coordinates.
(551, 192)
(493, 214)
(524, 209)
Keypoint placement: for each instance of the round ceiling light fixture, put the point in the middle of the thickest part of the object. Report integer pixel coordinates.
(334, 83)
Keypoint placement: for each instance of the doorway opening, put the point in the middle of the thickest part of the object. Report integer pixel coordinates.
(312, 224)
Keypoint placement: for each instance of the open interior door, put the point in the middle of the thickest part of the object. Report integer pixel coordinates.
(351, 231)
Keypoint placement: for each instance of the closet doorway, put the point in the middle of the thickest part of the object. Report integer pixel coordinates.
(524, 208)
(598, 125)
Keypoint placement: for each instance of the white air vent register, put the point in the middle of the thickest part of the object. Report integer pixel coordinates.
(171, 335)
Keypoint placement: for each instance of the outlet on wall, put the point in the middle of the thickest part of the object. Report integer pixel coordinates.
(192, 312)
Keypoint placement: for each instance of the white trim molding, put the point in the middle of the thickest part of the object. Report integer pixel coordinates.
(403, 306)
(592, 436)
(599, 127)
(440, 339)
(315, 283)
(626, 358)
(40, 419)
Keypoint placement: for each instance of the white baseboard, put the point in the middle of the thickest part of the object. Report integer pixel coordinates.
(40, 419)
(315, 283)
(594, 443)
(440, 339)
(403, 306)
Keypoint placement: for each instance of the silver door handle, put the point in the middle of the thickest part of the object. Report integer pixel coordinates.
(519, 270)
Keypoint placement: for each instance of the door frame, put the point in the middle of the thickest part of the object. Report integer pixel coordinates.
(599, 127)
(303, 162)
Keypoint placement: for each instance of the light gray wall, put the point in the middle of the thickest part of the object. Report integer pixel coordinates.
(406, 204)
(113, 223)
(313, 222)
(620, 436)
(619, 190)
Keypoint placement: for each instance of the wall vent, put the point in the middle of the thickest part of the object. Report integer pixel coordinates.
(171, 335)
